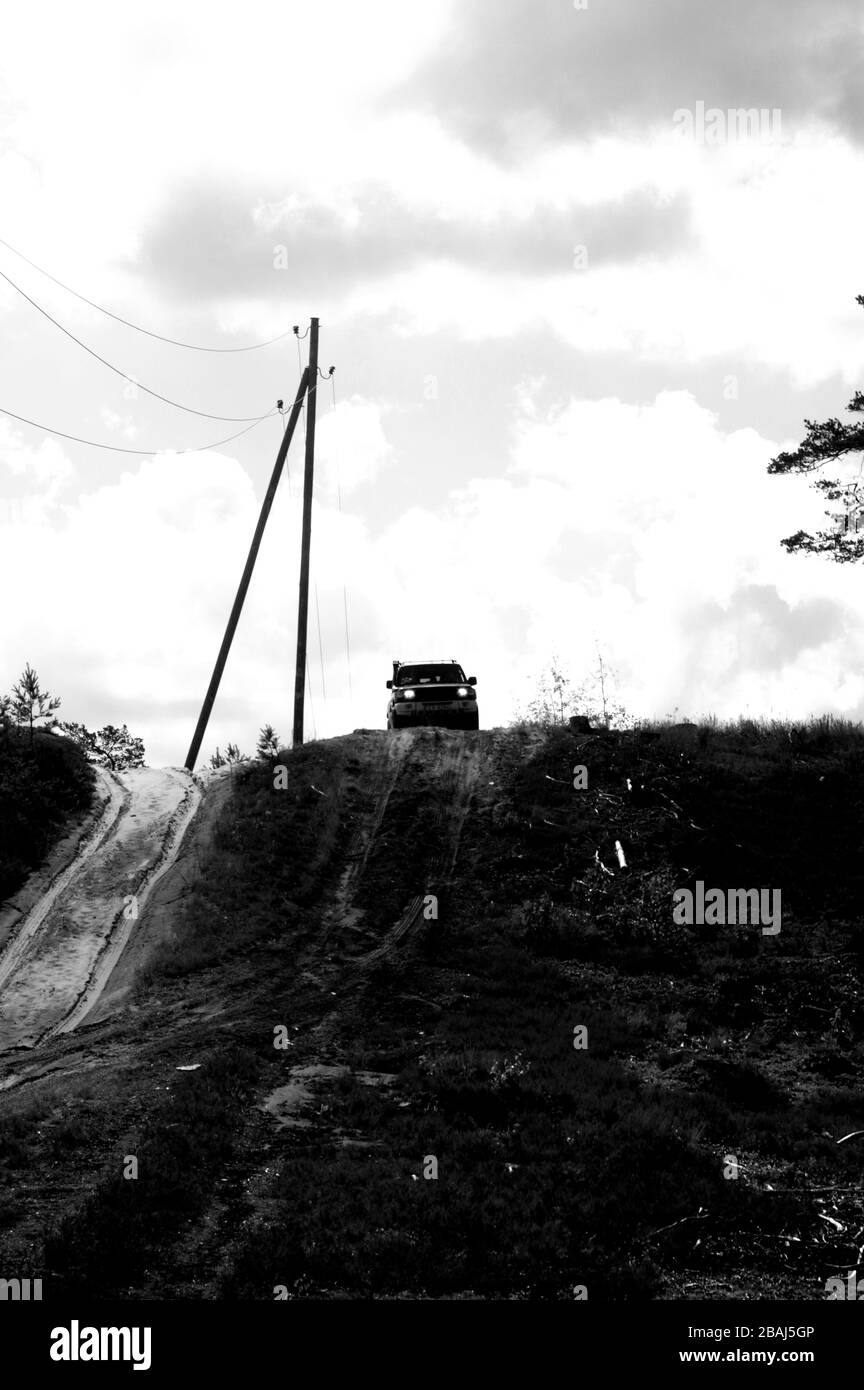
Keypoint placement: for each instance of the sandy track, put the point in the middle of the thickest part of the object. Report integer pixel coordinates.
(159, 866)
(65, 948)
(113, 797)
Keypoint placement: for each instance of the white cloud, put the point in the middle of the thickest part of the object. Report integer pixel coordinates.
(122, 424)
(351, 446)
(40, 475)
(648, 526)
(658, 519)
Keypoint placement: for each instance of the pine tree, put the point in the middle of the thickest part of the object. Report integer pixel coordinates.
(110, 747)
(826, 442)
(268, 744)
(30, 704)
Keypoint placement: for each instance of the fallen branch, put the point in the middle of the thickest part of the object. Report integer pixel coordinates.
(599, 862)
(831, 1220)
(418, 999)
(856, 1187)
(701, 1215)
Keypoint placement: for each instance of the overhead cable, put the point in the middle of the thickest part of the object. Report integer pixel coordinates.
(232, 419)
(160, 337)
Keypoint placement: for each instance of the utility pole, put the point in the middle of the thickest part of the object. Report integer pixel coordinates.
(306, 535)
(233, 620)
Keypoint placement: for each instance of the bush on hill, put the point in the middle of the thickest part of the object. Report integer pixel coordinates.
(41, 787)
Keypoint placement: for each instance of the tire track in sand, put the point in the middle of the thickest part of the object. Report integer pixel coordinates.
(67, 946)
(123, 926)
(117, 799)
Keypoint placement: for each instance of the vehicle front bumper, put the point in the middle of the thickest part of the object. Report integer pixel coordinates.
(449, 714)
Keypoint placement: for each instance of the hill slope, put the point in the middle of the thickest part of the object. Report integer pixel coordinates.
(376, 972)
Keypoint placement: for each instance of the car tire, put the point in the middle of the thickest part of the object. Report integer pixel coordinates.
(472, 721)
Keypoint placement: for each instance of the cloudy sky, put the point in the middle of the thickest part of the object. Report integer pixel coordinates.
(570, 325)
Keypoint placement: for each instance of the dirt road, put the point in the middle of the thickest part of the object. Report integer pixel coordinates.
(61, 952)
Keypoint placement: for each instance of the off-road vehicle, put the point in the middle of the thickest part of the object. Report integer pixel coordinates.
(431, 692)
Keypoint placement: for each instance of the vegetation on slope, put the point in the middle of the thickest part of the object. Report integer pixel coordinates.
(44, 782)
(689, 1150)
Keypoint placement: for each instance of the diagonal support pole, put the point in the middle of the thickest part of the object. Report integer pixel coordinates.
(195, 746)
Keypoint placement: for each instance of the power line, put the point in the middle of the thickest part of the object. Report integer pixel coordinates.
(233, 419)
(175, 342)
(117, 449)
(148, 453)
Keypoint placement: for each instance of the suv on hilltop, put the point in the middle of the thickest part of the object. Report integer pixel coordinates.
(431, 692)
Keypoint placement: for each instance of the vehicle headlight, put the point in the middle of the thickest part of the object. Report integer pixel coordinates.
(409, 694)
(462, 692)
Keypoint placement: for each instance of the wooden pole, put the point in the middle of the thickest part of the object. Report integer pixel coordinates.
(195, 746)
(306, 537)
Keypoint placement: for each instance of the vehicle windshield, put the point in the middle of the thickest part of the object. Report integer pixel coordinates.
(431, 675)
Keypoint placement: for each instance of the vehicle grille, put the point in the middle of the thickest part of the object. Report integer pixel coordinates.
(431, 694)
